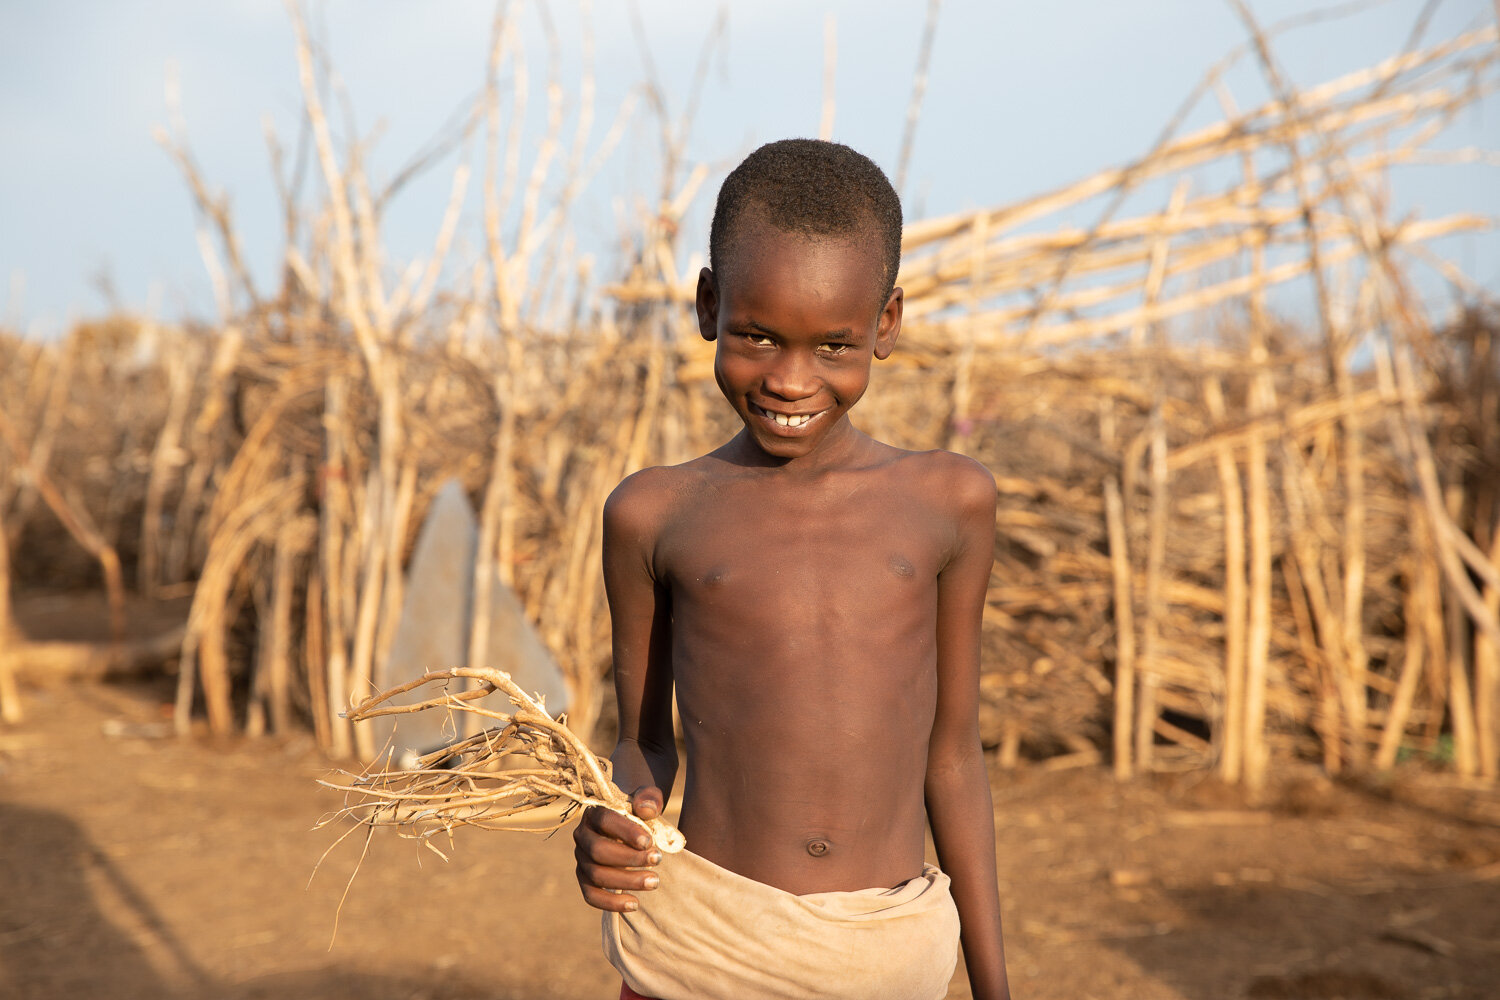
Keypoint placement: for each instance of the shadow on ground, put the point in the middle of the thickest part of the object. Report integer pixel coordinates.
(57, 943)
(1419, 923)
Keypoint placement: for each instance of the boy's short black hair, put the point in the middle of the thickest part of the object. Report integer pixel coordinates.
(815, 188)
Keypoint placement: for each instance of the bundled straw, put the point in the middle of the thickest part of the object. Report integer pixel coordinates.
(473, 782)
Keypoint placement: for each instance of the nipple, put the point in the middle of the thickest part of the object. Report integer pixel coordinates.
(817, 848)
(901, 566)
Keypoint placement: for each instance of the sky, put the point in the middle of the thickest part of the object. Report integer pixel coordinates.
(1021, 97)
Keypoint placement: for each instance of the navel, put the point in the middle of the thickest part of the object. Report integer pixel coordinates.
(901, 566)
(818, 848)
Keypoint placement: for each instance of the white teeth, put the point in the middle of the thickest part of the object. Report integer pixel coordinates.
(789, 420)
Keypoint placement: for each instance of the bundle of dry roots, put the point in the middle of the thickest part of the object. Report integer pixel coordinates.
(511, 776)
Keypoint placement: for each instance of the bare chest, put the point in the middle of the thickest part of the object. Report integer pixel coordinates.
(791, 552)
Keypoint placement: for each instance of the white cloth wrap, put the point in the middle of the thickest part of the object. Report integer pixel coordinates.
(708, 933)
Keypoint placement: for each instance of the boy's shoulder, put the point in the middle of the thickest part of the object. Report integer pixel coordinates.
(948, 465)
(947, 477)
(641, 491)
(644, 498)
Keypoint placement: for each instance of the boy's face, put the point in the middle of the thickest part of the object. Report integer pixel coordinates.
(797, 320)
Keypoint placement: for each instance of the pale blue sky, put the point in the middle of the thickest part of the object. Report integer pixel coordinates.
(1022, 97)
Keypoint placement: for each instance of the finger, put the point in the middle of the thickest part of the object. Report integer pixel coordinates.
(624, 829)
(593, 816)
(613, 902)
(606, 877)
(647, 802)
(604, 851)
(599, 822)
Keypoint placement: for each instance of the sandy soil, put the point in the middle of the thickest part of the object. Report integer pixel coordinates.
(135, 865)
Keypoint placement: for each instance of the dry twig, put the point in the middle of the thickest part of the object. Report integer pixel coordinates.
(474, 781)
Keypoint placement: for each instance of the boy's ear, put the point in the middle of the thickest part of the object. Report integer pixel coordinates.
(708, 305)
(888, 328)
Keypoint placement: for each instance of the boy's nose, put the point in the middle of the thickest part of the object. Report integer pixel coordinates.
(792, 378)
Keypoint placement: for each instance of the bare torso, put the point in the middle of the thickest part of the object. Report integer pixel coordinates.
(815, 598)
(804, 656)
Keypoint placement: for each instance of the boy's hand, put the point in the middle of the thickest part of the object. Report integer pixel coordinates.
(615, 853)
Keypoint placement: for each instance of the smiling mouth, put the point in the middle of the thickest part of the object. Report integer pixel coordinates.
(786, 421)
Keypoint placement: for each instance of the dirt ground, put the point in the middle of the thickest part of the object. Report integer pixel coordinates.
(136, 865)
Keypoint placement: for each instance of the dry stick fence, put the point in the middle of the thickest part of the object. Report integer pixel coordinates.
(39, 384)
(1325, 584)
(1218, 551)
(1316, 468)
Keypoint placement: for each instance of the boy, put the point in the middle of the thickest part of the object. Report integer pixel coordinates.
(814, 596)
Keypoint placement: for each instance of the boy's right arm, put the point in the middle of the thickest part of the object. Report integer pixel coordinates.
(615, 855)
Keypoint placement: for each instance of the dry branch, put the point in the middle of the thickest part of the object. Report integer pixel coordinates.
(475, 781)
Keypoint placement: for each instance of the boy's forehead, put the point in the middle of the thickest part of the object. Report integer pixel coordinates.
(760, 245)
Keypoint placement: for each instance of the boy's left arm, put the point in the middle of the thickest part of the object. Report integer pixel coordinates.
(959, 806)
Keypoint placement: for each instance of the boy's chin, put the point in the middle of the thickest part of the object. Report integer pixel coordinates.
(779, 446)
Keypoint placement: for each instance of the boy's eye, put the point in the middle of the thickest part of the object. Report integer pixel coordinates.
(758, 339)
(836, 349)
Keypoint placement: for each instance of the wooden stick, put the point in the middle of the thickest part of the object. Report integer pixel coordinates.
(963, 393)
(1257, 656)
(1435, 636)
(1413, 612)
(344, 247)
(1460, 696)
(918, 91)
(395, 582)
(1487, 677)
(1393, 370)
(182, 366)
(1327, 721)
(314, 659)
(1232, 737)
(290, 541)
(496, 498)
(1157, 268)
(186, 520)
(1299, 492)
(1156, 550)
(1125, 677)
(260, 666)
(209, 208)
(830, 76)
(1354, 555)
(511, 385)
(10, 695)
(372, 564)
(333, 476)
